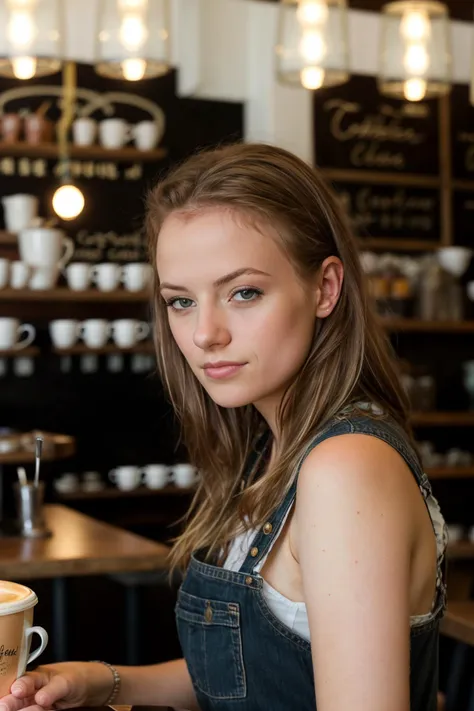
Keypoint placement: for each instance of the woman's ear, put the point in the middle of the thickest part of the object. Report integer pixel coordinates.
(330, 278)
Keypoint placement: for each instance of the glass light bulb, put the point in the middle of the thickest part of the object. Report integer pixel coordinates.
(23, 67)
(416, 59)
(312, 77)
(68, 202)
(312, 46)
(132, 5)
(133, 33)
(414, 89)
(415, 25)
(133, 69)
(21, 28)
(312, 12)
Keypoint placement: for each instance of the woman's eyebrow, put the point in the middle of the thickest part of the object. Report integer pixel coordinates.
(219, 282)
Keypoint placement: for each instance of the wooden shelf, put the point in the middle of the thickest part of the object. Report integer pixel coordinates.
(82, 349)
(64, 447)
(460, 549)
(416, 325)
(114, 493)
(441, 419)
(64, 294)
(450, 472)
(31, 352)
(94, 152)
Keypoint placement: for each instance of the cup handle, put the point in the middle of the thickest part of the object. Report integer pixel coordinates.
(44, 641)
(113, 476)
(128, 134)
(80, 330)
(30, 335)
(68, 252)
(143, 329)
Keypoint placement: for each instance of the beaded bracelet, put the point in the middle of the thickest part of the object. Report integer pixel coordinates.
(117, 681)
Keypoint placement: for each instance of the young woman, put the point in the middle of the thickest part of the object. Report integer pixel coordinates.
(314, 547)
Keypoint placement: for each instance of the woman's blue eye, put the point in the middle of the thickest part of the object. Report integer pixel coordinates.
(179, 304)
(247, 294)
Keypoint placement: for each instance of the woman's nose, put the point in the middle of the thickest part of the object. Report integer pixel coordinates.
(211, 329)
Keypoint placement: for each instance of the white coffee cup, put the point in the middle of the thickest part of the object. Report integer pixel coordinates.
(106, 276)
(4, 272)
(114, 133)
(19, 275)
(11, 332)
(84, 131)
(18, 211)
(126, 478)
(78, 276)
(127, 331)
(45, 247)
(136, 276)
(184, 475)
(66, 483)
(43, 278)
(145, 135)
(156, 476)
(64, 332)
(95, 332)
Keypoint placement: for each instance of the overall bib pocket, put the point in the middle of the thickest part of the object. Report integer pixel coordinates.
(209, 632)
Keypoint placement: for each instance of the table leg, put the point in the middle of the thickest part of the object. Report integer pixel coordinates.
(59, 620)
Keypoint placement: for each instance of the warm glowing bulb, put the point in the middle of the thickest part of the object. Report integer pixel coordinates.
(312, 77)
(133, 69)
(132, 5)
(415, 25)
(416, 59)
(312, 12)
(23, 67)
(414, 89)
(21, 28)
(133, 33)
(68, 202)
(312, 46)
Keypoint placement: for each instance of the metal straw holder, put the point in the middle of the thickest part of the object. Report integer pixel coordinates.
(29, 501)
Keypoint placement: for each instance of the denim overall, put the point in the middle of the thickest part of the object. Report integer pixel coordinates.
(240, 656)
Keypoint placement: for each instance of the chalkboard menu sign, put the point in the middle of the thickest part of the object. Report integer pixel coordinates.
(392, 212)
(358, 129)
(462, 133)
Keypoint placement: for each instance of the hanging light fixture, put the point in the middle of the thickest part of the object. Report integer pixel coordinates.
(31, 36)
(133, 39)
(415, 50)
(312, 46)
(68, 200)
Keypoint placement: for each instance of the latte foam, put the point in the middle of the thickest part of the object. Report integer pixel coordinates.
(14, 596)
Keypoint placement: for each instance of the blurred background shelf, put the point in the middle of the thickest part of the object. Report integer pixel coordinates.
(31, 352)
(64, 446)
(64, 294)
(450, 472)
(82, 349)
(114, 493)
(94, 152)
(417, 325)
(440, 419)
(460, 549)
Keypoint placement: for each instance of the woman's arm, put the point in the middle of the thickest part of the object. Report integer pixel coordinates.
(167, 684)
(353, 539)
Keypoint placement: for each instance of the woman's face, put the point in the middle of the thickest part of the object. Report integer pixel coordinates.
(236, 308)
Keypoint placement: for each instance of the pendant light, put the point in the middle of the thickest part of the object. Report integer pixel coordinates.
(133, 39)
(312, 45)
(31, 38)
(415, 50)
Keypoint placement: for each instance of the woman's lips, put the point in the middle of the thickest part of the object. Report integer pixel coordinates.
(218, 371)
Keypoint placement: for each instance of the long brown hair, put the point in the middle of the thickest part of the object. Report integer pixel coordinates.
(350, 358)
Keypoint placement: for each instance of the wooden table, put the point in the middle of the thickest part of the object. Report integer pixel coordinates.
(80, 545)
(458, 622)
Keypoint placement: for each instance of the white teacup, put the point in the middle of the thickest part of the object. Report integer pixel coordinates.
(4, 273)
(64, 332)
(66, 483)
(84, 131)
(18, 211)
(45, 247)
(11, 332)
(78, 276)
(43, 278)
(127, 331)
(95, 332)
(184, 475)
(136, 276)
(114, 133)
(106, 276)
(145, 135)
(126, 478)
(156, 476)
(19, 275)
